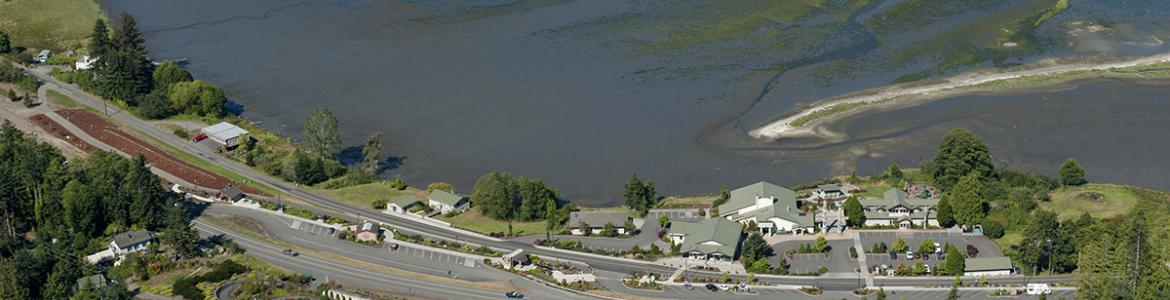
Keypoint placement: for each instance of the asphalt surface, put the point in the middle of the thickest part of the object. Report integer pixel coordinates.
(597, 262)
(325, 269)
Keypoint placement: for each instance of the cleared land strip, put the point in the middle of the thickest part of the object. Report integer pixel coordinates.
(109, 134)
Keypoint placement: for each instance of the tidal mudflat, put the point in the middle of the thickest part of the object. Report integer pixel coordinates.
(584, 93)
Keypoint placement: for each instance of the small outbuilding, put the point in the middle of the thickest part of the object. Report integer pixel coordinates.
(226, 134)
(830, 191)
(231, 193)
(367, 232)
(43, 56)
(85, 63)
(516, 259)
(130, 242)
(89, 283)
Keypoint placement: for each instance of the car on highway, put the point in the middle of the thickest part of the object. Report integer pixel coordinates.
(290, 252)
(711, 287)
(514, 295)
(199, 137)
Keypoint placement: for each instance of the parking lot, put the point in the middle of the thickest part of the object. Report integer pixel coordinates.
(311, 228)
(985, 246)
(837, 260)
(418, 253)
(674, 214)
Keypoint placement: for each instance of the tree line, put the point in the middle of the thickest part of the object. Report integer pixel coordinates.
(53, 212)
(124, 73)
(502, 196)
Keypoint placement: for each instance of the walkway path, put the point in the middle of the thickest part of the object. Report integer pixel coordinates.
(863, 266)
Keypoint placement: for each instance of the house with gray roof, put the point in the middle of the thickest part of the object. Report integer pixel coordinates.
(595, 221)
(403, 203)
(774, 209)
(988, 266)
(130, 242)
(227, 135)
(447, 202)
(714, 238)
(896, 207)
(830, 191)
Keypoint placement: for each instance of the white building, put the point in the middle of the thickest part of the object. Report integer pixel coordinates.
(830, 191)
(43, 56)
(85, 63)
(130, 242)
(447, 202)
(773, 208)
(226, 134)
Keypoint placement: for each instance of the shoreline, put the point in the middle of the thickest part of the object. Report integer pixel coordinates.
(809, 121)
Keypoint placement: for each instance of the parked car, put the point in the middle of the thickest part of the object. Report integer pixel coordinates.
(332, 230)
(938, 248)
(893, 255)
(909, 255)
(514, 295)
(393, 246)
(711, 287)
(927, 269)
(942, 256)
(199, 137)
(917, 255)
(724, 287)
(689, 286)
(1038, 289)
(290, 252)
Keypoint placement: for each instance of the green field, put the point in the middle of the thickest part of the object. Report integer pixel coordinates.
(474, 220)
(361, 196)
(57, 25)
(1099, 200)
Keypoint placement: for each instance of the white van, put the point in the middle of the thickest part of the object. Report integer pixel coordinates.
(1038, 288)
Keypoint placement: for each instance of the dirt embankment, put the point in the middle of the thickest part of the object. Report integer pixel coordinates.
(102, 130)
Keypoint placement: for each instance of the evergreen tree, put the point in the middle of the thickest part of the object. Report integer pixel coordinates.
(894, 172)
(640, 196)
(13, 281)
(954, 293)
(854, 212)
(372, 153)
(1071, 173)
(954, 264)
(179, 234)
(321, 132)
(965, 201)
(959, 154)
(99, 40)
(129, 39)
(754, 248)
(946, 215)
(5, 43)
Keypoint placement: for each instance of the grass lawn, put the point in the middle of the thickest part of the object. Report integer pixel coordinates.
(474, 220)
(58, 25)
(696, 201)
(1099, 200)
(363, 195)
(1008, 240)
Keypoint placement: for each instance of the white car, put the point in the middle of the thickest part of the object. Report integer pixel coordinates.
(1038, 288)
(927, 269)
(937, 248)
(909, 255)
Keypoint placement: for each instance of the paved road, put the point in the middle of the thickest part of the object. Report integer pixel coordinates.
(325, 269)
(604, 263)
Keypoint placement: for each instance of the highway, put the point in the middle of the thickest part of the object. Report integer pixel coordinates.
(612, 264)
(404, 284)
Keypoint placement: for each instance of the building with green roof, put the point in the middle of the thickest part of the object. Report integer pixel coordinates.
(714, 238)
(988, 266)
(447, 202)
(774, 209)
(403, 203)
(896, 207)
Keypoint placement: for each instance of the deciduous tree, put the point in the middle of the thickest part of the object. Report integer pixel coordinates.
(1071, 173)
(965, 200)
(321, 133)
(169, 73)
(960, 153)
(199, 97)
(372, 153)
